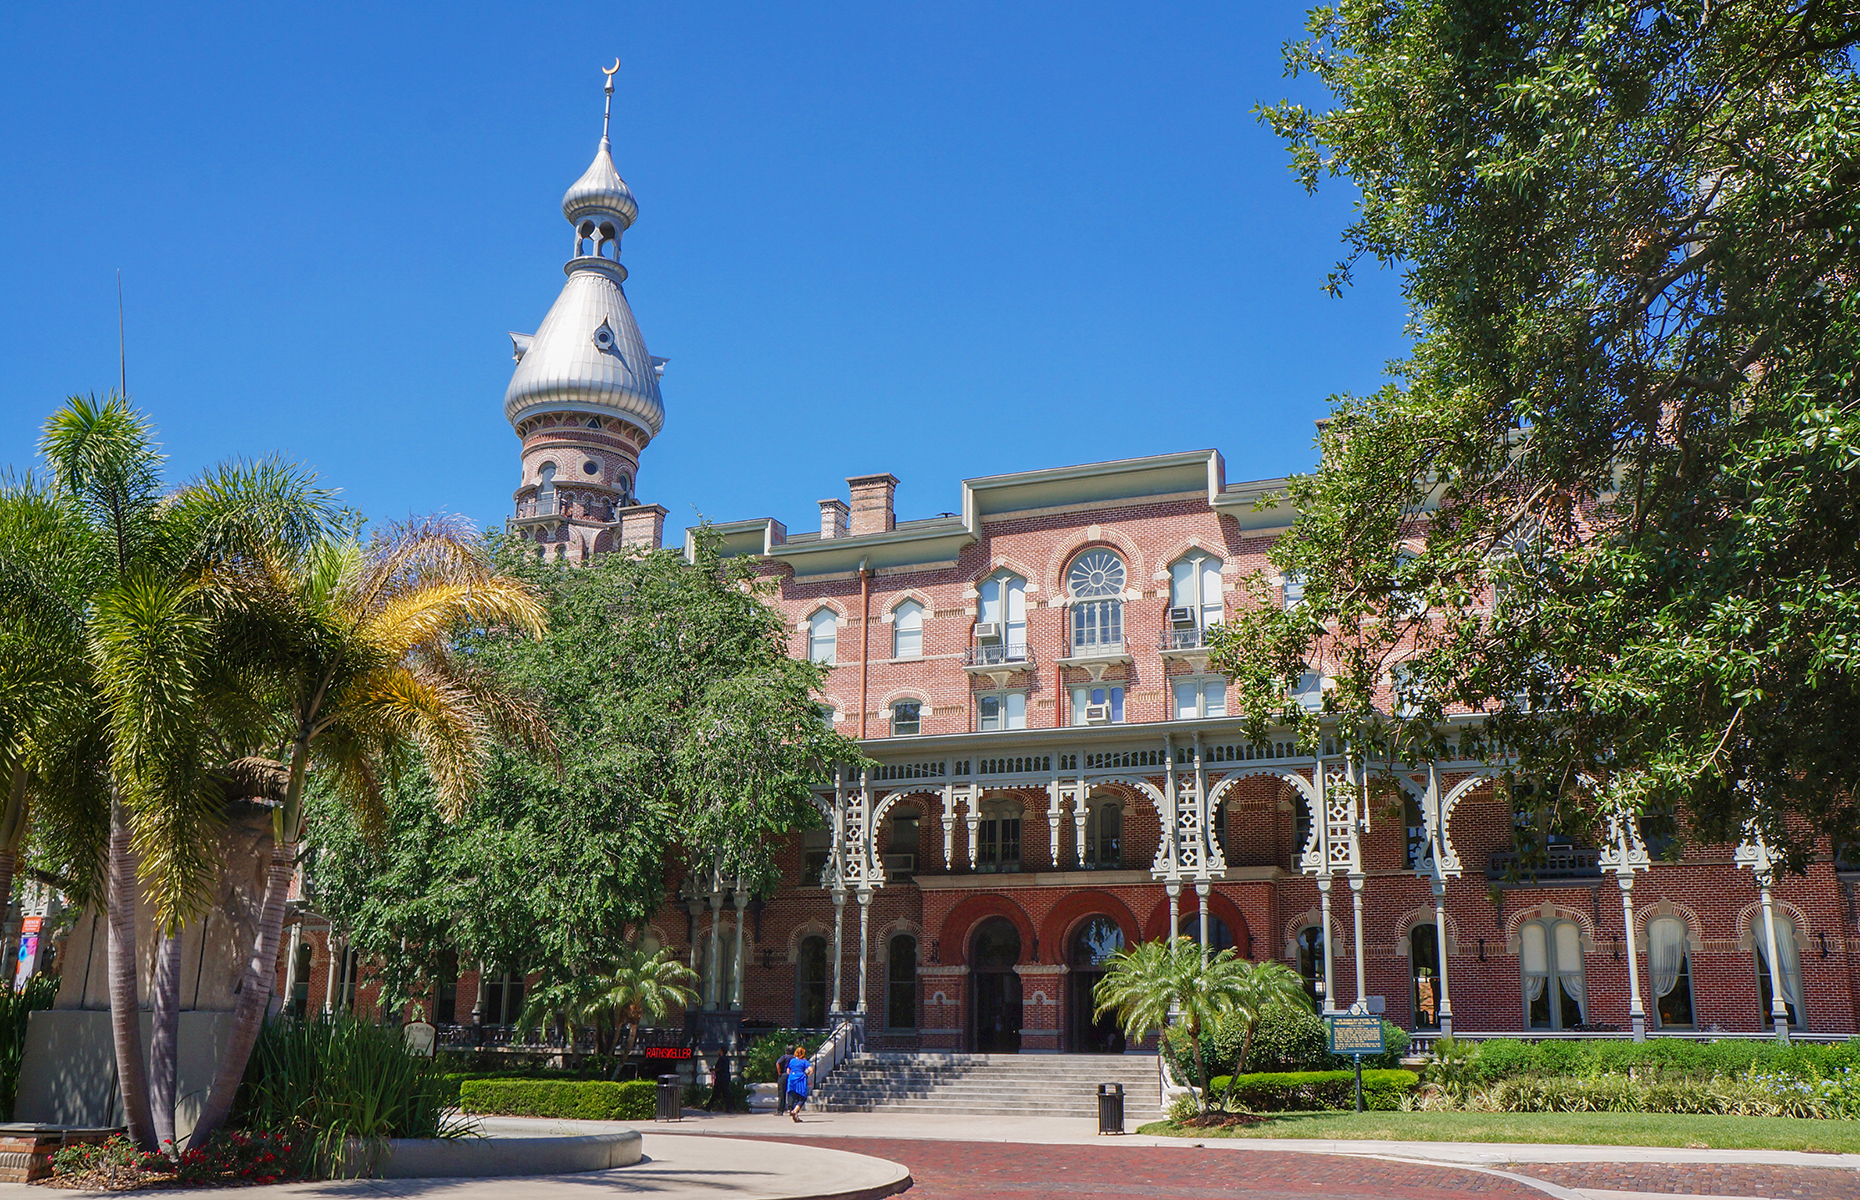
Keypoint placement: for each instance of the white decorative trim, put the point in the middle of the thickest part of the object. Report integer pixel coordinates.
(1550, 911)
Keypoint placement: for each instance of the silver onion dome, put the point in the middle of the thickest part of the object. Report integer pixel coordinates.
(587, 356)
(600, 192)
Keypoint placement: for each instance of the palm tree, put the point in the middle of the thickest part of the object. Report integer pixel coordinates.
(1148, 984)
(120, 611)
(351, 645)
(1261, 987)
(645, 985)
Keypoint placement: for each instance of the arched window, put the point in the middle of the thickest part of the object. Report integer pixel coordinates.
(997, 836)
(1001, 619)
(545, 490)
(1669, 972)
(907, 630)
(1104, 829)
(1220, 937)
(901, 982)
(1550, 964)
(1094, 942)
(1415, 822)
(823, 635)
(1311, 963)
(1096, 585)
(1788, 958)
(300, 984)
(907, 718)
(810, 983)
(1424, 967)
(1195, 592)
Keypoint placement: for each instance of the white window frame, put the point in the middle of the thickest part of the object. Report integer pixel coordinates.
(1115, 695)
(1002, 600)
(1198, 588)
(823, 648)
(1098, 811)
(1202, 685)
(1554, 973)
(907, 620)
(1010, 711)
(892, 717)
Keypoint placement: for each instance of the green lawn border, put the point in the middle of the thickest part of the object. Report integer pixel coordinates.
(1577, 1129)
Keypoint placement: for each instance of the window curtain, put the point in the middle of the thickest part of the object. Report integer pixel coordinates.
(1666, 951)
(1569, 961)
(1534, 962)
(1788, 953)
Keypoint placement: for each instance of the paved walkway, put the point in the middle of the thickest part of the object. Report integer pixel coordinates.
(675, 1168)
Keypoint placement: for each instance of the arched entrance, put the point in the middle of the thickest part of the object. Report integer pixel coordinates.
(1089, 948)
(995, 987)
(1220, 937)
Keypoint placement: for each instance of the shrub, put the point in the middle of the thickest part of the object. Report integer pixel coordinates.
(1456, 1069)
(765, 1051)
(117, 1165)
(1500, 1058)
(1505, 1058)
(1289, 1039)
(585, 1100)
(1750, 1094)
(15, 1008)
(1310, 1091)
(323, 1081)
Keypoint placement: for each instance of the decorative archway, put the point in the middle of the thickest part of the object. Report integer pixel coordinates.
(953, 937)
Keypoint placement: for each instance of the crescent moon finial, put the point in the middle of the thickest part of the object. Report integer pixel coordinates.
(609, 71)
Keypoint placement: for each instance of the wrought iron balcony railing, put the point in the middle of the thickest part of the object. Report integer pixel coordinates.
(999, 654)
(1509, 868)
(1182, 639)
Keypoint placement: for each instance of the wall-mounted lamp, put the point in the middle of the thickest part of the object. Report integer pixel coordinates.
(1617, 951)
(1824, 945)
(936, 951)
(1481, 949)
(768, 957)
(1036, 947)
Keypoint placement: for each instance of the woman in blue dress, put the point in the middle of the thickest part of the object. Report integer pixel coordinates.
(799, 1071)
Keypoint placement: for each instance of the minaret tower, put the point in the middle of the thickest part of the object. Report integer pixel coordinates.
(585, 395)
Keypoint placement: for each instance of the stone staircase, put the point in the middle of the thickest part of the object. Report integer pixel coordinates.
(1056, 1085)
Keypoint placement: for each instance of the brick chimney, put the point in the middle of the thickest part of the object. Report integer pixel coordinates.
(833, 519)
(871, 503)
(641, 525)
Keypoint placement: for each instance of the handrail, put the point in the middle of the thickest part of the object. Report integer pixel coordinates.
(846, 1039)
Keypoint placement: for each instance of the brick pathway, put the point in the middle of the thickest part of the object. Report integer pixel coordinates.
(1701, 1179)
(1006, 1171)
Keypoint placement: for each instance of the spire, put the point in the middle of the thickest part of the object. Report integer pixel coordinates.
(600, 197)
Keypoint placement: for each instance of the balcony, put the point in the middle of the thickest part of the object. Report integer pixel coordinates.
(1187, 644)
(1096, 656)
(1561, 866)
(997, 660)
(551, 509)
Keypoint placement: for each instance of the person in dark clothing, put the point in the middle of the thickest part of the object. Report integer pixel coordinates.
(720, 1085)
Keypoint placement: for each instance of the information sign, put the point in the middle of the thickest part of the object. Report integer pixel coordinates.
(1353, 1034)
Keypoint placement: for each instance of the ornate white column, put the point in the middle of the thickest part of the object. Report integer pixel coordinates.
(1173, 888)
(1052, 820)
(972, 817)
(1624, 856)
(713, 966)
(1356, 904)
(949, 825)
(865, 953)
(1080, 812)
(1201, 898)
(839, 942)
(735, 998)
(1441, 863)
(1330, 991)
(1755, 854)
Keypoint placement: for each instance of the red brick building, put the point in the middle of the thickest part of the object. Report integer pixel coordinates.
(1059, 776)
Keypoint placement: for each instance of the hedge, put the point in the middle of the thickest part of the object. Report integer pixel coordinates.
(1288, 1039)
(1309, 1091)
(594, 1100)
(1507, 1058)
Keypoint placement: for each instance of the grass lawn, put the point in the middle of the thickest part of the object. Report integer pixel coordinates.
(1592, 1129)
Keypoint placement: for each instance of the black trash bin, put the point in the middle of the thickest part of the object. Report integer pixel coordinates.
(671, 1099)
(1110, 1108)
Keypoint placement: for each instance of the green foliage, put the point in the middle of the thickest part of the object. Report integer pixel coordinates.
(681, 725)
(1456, 1067)
(15, 1009)
(1152, 983)
(1505, 1058)
(596, 1100)
(1750, 1094)
(327, 1080)
(766, 1051)
(1311, 1091)
(1629, 431)
(1290, 1037)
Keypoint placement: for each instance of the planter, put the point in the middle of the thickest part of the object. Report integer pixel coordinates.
(477, 1158)
(764, 1097)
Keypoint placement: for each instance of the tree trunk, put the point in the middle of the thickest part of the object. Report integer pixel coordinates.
(125, 1004)
(254, 994)
(164, 1039)
(1246, 1048)
(626, 1055)
(12, 831)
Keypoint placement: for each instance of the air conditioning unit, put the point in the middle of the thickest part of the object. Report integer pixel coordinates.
(1182, 618)
(989, 631)
(1097, 714)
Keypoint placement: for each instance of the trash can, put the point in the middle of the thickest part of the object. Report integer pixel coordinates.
(671, 1099)
(1110, 1108)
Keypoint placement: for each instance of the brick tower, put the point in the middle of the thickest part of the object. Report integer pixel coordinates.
(585, 394)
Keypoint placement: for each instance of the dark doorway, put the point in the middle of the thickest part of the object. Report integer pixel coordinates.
(1424, 957)
(996, 987)
(1093, 943)
(810, 984)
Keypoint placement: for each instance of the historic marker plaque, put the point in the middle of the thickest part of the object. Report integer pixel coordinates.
(1354, 1034)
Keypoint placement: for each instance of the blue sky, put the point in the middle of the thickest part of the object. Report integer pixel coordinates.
(941, 240)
